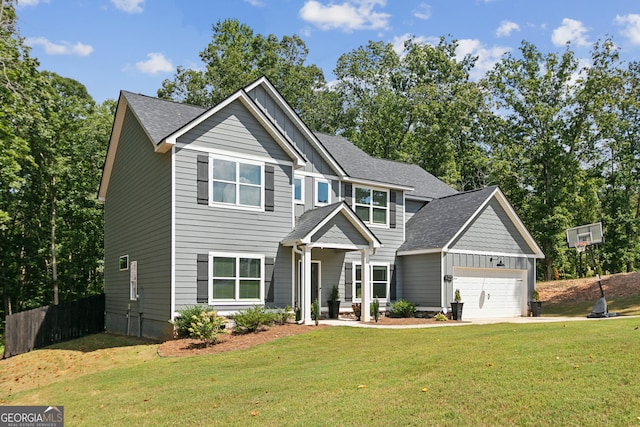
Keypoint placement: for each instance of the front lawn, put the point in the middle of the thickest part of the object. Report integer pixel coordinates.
(574, 373)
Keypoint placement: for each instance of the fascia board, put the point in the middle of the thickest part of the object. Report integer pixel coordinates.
(116, 131)
(379, 184)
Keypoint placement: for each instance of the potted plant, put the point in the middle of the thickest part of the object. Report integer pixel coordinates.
(334, 303)
(357, 309)
(535, 303)
(456, 306)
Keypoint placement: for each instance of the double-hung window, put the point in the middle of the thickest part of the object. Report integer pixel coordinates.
(236, 277)
(379, 276)
(372, 206)
(237, 183)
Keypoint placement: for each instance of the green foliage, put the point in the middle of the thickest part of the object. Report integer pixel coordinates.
(335, 294)
(457, 297)
(375, 309)
(315, 310)
(535, 295)
(402, 308)
(253, 318)
(440, 317)
(182, 323)
(207, 326)
(282, 316)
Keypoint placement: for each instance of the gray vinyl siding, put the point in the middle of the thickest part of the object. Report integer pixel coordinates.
(492, 231)
(316, 163)
(200, 229)
(137, 215)
(421, 279)
(331, 272)
(339, 229)
(411, 207)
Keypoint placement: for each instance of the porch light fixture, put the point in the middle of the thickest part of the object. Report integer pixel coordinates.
(499, 264)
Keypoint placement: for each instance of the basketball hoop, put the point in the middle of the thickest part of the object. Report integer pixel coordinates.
(581, 246)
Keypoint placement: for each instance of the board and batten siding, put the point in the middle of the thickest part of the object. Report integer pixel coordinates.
(137, 215)
(315, 162)
(492, 231)
(200, 229)
(422, 279)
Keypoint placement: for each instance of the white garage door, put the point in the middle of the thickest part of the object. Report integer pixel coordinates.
(489, 292)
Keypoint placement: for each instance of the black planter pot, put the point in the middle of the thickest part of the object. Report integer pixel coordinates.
(536, 308)
(334, 309)
(456, 310)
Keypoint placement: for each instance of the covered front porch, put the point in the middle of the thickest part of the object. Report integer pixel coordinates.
(320, 241)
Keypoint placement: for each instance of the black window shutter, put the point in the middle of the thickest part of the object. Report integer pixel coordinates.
(392, 209)
(348, 193)
(268, 279)
(348, 281)
(203, 179)
(392, 282)
(269, 202)
(203, 279)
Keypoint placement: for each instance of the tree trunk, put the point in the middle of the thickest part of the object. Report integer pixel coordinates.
(54, 264)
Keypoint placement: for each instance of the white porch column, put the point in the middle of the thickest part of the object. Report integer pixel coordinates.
(306, 285)
(366, 298)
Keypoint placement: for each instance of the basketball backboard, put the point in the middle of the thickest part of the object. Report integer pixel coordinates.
(590, 233)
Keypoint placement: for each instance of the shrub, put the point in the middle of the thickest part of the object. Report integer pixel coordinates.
(206, 327)
(402, 308)
(315, 310)
(252, 319)
(440, 317)
(282, 316)
(183, 322)
(375, 309)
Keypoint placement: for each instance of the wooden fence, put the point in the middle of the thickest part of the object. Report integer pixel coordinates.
(52, 324)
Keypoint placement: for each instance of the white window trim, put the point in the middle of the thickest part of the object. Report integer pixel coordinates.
(237, 204)
(133, 281)
(371, 206)
(371, 265)
(123, 257)
(315, 195)
(236, 300)
(302, 185)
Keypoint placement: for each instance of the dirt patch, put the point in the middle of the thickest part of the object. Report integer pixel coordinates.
(616, 285)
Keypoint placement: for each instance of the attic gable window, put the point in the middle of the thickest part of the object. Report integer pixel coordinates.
(371, 205)
(237, 182)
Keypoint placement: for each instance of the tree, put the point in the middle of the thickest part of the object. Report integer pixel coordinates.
(537, 158)
(236, 57)
(418, 106)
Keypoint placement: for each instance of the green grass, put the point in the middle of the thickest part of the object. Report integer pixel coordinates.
(627, 306)
(573, 373)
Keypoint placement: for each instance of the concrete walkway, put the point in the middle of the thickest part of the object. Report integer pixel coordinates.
(522, 320)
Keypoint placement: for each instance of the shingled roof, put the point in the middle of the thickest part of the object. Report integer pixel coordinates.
(360, 165)
(437, 223)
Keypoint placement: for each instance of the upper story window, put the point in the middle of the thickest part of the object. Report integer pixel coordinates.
(323, 192)
(372, 206)
(298, 189)
(237, 182)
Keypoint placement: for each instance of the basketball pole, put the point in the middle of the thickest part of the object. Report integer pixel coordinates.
(597, 268)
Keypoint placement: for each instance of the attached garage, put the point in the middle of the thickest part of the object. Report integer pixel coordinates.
(490, 292)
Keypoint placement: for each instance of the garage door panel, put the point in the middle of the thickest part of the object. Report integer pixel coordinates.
(490, 293)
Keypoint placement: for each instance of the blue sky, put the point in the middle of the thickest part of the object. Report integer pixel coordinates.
(109, 45)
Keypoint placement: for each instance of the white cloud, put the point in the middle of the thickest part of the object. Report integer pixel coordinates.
(257, 3)
(631, 24)
(62, 48)
(156, 63)
(29, 2)
(570, 31)
(423, 11)
(506, 28)
(398, 42)
(487, 56)
(129, 6)
(348, 16)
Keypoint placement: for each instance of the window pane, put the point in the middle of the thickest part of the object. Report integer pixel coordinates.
(363, 196)
(224, 169)
(379, 290)
(380, 198)
(250, 174)
(363, 213)
(323, 192)
(358, 273)
(297, 189)
(249, 267)
(358, 290)
(249, 289)
(224, 192)
(224, 267)
(224, 289)
(250, 195)
(380, 216)
(379, 273)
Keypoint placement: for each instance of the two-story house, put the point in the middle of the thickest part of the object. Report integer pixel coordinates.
(242, 204)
